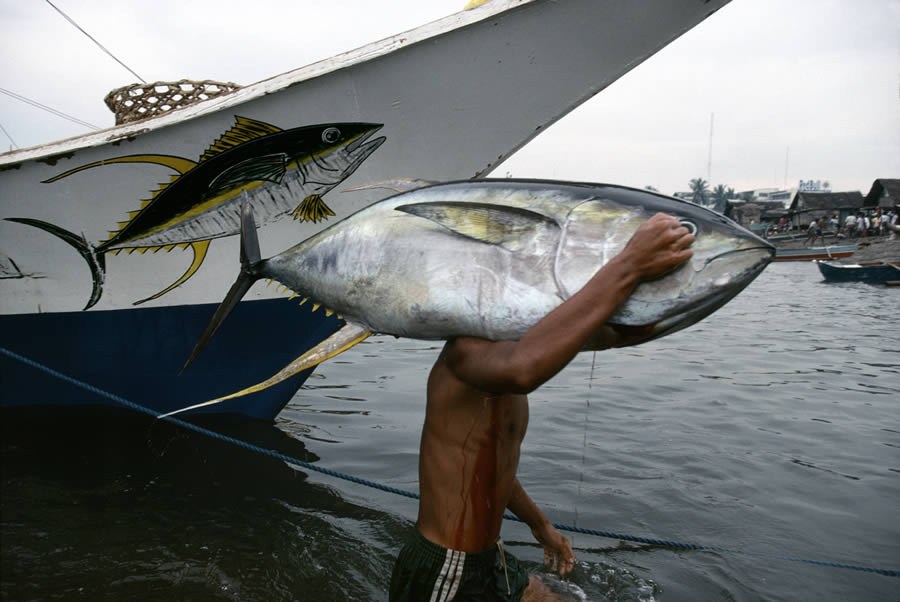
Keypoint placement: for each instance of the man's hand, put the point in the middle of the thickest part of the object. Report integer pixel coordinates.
(659, 245)
(558, 553)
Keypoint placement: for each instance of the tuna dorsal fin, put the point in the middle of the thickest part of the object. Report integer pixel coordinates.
(349, 335)
(493, 224)
(244, 130)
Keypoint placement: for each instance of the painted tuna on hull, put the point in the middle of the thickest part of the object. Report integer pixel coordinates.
(490, 258)
(274, 167)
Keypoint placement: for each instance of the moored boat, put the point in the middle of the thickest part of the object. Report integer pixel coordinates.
(783, 238)
(815, 253)
(875, 272)
(449, 100)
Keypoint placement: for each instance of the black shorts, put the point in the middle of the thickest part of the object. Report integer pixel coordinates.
(425, 571)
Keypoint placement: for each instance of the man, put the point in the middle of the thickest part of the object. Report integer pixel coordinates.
(475, 419)
(811, 232)
(850, 225)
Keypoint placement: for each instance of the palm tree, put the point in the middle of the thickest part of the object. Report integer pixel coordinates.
(700, 188)
(720, 196)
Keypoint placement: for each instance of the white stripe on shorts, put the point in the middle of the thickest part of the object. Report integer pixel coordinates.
(457, 577)
(448, 559)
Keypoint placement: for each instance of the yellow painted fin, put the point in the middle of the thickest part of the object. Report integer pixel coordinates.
(312, 209)
(345, 338)
(244, 130)
(179, 164)
(200, 248)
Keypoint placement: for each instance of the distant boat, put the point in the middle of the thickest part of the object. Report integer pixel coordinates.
(777, 238)
(814, 253)
(881, 272)
(447, 101)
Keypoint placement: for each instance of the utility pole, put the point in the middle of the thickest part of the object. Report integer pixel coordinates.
(709, 158)
(787, 154)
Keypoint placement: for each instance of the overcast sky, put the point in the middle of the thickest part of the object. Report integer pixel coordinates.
(799, 89)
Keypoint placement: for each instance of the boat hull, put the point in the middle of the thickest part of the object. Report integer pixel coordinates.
(454, 99)
(880, 274)
(123, 353)
(814, 254)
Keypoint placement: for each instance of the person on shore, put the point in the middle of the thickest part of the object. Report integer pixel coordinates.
(850, 226)
(815, 231)
(476, 416)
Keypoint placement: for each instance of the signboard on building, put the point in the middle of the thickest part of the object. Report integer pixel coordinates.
(814, 186)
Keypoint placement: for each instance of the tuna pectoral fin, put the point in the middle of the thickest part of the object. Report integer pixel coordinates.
(492, 224)
(345, 338)
(200, 248)
(95, 261)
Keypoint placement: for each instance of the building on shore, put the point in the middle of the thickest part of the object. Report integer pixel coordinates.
(808, 206)
(756, 214)
(884, 193)
(768, 195)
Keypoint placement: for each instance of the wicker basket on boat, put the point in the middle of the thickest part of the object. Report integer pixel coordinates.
(143, 101)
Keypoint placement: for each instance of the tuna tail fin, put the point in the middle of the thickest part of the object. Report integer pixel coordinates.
(247, 276)
(95, 261)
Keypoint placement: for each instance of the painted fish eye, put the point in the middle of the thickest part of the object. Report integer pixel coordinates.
(691, 226)
(331, 135)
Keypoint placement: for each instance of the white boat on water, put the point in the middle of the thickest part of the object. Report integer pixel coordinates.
(449, 100)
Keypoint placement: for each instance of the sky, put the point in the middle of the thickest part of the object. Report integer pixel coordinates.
(789, 89)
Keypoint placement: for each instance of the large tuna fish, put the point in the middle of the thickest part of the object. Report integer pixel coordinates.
(489, 258)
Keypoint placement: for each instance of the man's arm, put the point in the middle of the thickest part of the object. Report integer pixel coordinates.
(557, 549)
(658, 246)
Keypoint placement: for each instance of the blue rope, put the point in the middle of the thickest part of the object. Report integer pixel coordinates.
(415, 496)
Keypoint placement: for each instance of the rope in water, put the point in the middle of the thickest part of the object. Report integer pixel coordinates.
(386, 488)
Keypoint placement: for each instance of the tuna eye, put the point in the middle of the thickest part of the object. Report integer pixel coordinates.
(331, 135)
(691, 226)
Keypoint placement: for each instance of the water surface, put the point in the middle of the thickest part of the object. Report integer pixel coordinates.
(773, 426)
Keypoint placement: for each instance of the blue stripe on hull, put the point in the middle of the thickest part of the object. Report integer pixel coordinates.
(137, 354)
